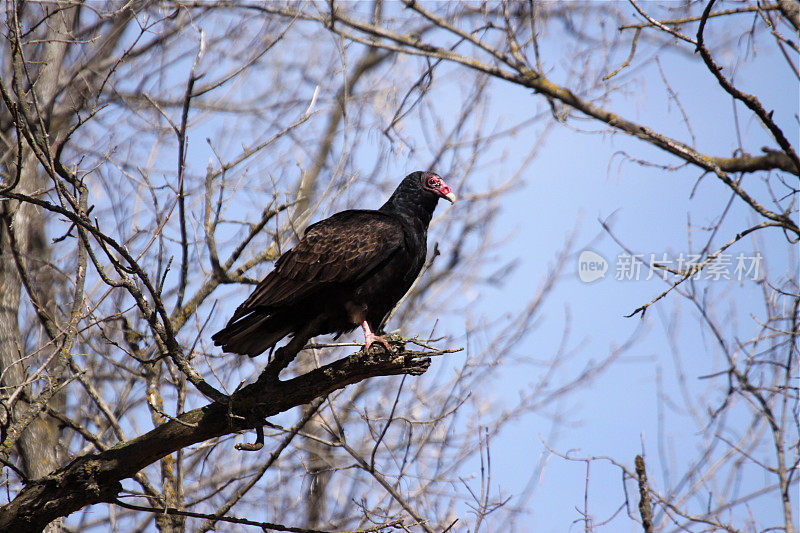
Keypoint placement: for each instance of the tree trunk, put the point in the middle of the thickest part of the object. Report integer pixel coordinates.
(19, 357)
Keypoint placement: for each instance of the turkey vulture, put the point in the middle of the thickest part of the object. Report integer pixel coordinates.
(348, 270)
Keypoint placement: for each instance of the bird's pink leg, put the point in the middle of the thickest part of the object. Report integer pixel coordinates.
(370, 338)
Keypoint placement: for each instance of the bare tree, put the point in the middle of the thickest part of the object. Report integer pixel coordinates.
(158, 155)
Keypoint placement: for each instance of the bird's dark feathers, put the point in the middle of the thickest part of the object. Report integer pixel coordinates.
(342, 249)
(350, 267)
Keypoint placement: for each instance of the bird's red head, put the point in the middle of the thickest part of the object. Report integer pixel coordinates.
(436, 185)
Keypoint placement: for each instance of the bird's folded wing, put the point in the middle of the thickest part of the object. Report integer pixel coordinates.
(342, 249)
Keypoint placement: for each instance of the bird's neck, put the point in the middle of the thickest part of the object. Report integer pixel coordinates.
(416, 212)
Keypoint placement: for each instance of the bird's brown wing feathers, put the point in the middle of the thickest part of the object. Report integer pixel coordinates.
(342, 249)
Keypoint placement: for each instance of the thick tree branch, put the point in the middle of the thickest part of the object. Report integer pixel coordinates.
(771, 160)
(96, 478)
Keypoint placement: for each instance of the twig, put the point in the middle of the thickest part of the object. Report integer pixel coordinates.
(182, 147)
(307, 415)
(694, 269)
(661, 26)
(630, 56)
(748, 99)
(230, 519)
(720, 13)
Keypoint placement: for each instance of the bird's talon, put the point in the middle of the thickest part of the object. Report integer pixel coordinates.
(377, 339)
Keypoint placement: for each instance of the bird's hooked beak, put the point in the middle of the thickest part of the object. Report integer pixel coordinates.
(446, 192)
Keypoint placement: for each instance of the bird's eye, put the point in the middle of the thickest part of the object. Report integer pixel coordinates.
(433, 182)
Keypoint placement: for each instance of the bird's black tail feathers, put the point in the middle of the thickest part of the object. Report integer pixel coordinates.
(252, 334)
